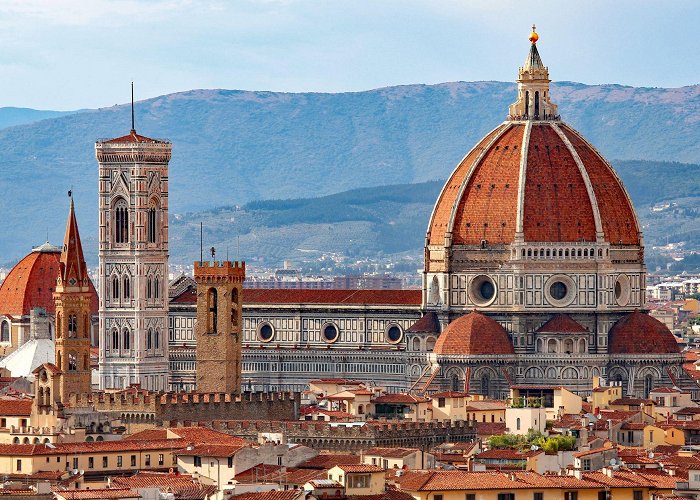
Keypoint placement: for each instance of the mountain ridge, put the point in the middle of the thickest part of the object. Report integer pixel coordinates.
(236, 146)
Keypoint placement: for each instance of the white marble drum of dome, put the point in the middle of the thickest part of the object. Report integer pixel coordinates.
(534, 219)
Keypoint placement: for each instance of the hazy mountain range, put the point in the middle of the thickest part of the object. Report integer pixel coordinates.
(235, 147)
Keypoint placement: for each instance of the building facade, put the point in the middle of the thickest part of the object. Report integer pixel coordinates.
(535, 231)
(133, 267)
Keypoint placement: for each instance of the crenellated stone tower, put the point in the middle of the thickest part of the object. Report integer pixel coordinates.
(133, 187)
(218, 330)
(72, 297)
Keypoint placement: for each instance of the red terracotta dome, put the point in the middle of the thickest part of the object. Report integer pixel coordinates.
(538, 178)
(476, 334)
(639, 333)
(32, 281)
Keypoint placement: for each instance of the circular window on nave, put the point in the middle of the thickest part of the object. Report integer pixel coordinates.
(623, 290)
(330, 333)
(482, 290)
(560, 290)
(394, 334)
(265, 332)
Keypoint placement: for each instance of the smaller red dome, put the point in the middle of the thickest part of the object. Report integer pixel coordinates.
(475, 334)
(32, 281)
(639, 333)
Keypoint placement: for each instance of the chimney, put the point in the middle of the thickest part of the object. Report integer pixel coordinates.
(596, 382)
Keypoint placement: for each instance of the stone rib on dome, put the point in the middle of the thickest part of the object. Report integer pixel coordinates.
(473, 334)
(639, 333)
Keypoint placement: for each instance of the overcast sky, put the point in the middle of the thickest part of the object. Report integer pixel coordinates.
(69, 54)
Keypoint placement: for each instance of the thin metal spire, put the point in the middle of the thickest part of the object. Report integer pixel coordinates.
(133, 127)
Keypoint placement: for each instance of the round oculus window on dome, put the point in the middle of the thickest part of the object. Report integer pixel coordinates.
(623, 290)
(266, 332)
(560, 290)
(482, 290)
(394, 334)
(330, 333)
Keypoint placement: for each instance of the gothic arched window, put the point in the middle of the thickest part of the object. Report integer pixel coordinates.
(234, 307)
(152, 221)
(149, 288)
(156, 288)
(72, 362)
(127, 288)
(115, 287)
(121, 222)
(72, 325)
(126, 339)
(5, 331)
(115, 339)
(212, 310)
(149, 339)
(156, 339)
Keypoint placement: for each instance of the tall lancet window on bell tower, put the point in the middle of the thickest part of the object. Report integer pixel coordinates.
(152, 222)
(121, 222)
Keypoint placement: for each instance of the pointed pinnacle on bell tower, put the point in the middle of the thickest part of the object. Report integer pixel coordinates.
(533, 88)
(73, 270)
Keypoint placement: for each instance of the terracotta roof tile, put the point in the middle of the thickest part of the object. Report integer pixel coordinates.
(562, 323)
(31, 283)
(399, 398)
(15, 407)
(270, 495)
(311, 296)
(358, 468)
(639, 333)
(473, 334)
(616, 212)
(427, 324)
(99, 493)
(184, 486)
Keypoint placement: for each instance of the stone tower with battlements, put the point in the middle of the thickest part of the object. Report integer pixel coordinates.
(218, 329)
(133, 253)
(72, 297)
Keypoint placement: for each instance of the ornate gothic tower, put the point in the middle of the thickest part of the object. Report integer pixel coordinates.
(72, 298)
(218, 330)
(133, 185)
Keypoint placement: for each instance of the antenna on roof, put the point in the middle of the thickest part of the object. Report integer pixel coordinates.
(201, 243)
(133, 127)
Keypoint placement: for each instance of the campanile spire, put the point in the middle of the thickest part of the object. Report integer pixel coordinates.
(533, 88)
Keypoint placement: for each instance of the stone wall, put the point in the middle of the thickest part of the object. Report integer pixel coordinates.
(323, 435)
(173, 409)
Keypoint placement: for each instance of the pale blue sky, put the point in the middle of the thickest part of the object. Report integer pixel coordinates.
(68, 54)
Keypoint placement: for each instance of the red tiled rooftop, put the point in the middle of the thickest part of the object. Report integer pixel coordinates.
(473, 334)
(310, 296)
(561, 323)
(133, 137)
(639, 333)
(359, 468)
(427, 324)
(15, 407)
(99, 493)
(480, 199)
(399, 398)
(31, 282)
